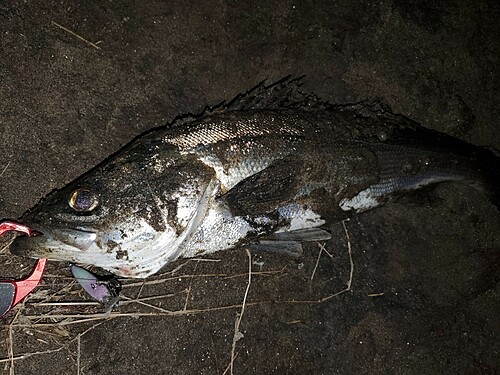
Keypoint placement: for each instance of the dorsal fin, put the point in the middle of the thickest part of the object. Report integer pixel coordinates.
(284, 93)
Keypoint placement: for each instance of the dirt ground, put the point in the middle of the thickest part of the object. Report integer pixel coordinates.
(410, 288)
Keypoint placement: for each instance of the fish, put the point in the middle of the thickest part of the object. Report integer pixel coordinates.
(270, 169)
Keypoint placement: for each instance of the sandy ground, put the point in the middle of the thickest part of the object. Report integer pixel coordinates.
(410, 288)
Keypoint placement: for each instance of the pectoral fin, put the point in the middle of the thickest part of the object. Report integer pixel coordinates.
(265, 191)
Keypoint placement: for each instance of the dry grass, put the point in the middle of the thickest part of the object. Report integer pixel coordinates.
(58, 314)
(5, 168)
(237, 334)
(94, 45)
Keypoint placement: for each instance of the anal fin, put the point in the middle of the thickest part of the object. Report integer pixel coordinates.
(291, 248)
(290, 242)
(302, 235)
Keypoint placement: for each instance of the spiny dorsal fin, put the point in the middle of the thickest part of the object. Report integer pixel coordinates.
(285, 93)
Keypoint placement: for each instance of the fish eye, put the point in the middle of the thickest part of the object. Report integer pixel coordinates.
(83, 200)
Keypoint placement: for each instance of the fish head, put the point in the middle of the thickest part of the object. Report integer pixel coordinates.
(130, 215)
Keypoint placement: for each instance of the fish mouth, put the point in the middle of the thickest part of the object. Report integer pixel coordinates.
(56, 244)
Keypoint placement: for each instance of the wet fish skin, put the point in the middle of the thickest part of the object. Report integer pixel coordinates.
(238, 175)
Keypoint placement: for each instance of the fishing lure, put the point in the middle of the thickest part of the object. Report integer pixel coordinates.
(102, 289)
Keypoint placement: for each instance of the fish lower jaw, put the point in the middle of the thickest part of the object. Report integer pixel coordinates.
(61, 252)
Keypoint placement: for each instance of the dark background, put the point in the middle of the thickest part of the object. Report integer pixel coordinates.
(65, 105)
